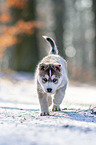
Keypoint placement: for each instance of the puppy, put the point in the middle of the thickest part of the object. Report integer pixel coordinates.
(51, 78)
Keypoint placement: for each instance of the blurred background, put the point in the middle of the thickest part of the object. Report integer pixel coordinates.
(71, 23)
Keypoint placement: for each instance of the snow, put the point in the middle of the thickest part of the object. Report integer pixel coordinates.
(21, 123)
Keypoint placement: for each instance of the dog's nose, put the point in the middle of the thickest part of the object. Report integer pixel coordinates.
(49, 90)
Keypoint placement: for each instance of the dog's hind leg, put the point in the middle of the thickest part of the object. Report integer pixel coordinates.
(58, 97)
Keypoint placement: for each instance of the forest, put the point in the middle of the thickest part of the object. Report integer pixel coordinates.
(72, 24)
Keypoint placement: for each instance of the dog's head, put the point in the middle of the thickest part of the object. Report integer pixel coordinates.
(50, 77)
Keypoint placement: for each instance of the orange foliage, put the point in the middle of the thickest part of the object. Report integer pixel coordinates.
(6, 41)
(9, 36)
(20, 4)
(5, 17)
(22, 27)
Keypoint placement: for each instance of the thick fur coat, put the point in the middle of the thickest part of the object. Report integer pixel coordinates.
(51, 79)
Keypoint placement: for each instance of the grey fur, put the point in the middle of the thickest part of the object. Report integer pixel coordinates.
(51, 78)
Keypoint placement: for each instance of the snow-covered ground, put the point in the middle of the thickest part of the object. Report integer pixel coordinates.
(21, 124)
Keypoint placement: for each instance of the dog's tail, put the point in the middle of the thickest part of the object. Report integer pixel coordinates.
(52, 44)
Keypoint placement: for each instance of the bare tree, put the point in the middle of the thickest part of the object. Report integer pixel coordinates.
(94, 10)
(25, 56)
(59, 16)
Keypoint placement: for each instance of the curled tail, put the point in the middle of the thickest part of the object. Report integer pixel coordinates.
(52, 44)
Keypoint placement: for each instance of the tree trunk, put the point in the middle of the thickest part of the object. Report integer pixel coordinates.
(59, 11)
(25, 54)
(94, 10)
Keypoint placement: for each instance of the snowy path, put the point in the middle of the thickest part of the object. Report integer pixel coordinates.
(21, 124)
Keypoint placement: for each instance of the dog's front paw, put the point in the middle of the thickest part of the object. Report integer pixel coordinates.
(56, 108)
(44, 113)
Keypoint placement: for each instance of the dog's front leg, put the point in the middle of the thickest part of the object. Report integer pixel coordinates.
(43, 99)
(58, 97)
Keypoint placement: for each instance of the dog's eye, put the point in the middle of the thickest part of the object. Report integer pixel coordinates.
(44, 80)
(54, 80)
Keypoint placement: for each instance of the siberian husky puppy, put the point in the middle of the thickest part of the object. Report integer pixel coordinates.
(51, 78)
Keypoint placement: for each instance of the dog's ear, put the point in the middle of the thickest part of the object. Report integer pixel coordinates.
(57, 67)
(43, 67)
